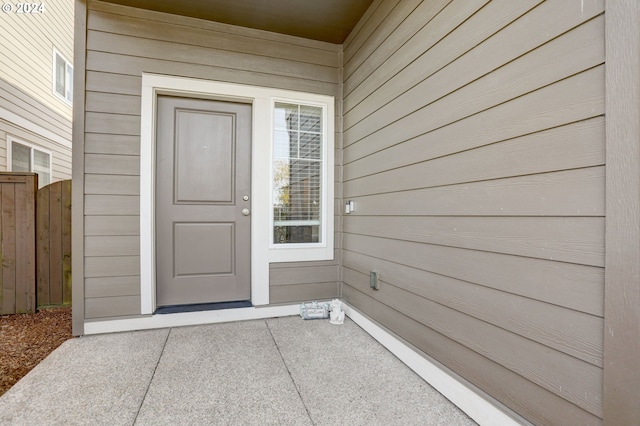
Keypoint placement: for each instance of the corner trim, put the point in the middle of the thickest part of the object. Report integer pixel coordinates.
(621, 366)
(474, 405)
(77, 166)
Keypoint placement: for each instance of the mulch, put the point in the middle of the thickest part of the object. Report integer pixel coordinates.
(27, 339)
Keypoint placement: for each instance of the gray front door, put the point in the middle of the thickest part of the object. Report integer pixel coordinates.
(203, 183)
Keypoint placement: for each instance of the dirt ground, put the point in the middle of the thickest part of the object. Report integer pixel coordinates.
(27, 339)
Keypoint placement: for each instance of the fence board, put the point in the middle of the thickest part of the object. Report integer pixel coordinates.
(66, 242)
(25, 260)
(17, 248)
(2, 298)
(55, 236)
(54, 244)
(43, 247)
(8, 249)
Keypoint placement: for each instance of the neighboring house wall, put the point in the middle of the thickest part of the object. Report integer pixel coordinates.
(29, 110)
(474, 149)
(121, 44)
(24, 119)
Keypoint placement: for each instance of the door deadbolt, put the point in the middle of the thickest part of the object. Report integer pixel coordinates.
(246, 198)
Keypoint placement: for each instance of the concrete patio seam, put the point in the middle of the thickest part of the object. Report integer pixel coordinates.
(144, 397)
(275, 342)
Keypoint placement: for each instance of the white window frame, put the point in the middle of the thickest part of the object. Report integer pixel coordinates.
(68, 79)
(262, 252)
(306, 251)
(32, 147)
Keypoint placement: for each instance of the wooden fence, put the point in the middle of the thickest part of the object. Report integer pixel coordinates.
(35, 243)
(53, 244)
(17, 238)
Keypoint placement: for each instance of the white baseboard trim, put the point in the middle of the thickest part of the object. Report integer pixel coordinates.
(189, 318)
(474, 405)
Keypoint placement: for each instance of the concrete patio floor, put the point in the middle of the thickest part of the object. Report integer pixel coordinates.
(282, 371)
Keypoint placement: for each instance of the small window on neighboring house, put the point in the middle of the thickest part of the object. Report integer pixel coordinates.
(27, 158)
(62, 77)
(299, 162)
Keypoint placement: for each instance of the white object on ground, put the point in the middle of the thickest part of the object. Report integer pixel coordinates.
(337, 314)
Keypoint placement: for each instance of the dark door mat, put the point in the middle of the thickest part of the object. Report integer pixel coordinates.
(196, 307)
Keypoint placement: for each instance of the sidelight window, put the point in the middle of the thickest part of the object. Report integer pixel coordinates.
(297, 173)
(301, 203)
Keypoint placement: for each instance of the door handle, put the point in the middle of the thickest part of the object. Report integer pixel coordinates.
(245, 212)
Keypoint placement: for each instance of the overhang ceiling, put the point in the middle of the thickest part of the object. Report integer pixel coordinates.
(325, 20)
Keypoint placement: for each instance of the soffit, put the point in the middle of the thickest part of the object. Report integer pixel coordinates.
(324, 20)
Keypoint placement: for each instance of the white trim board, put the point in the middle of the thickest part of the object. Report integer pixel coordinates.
(475, 406)
(189, 318)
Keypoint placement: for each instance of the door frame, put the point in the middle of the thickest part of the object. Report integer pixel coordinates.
(261, 99)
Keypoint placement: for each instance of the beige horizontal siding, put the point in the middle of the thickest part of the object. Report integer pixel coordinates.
(566, 56)
(100, 307)
(474, 151)
(431, 48)
(112, 245)
(164, 50)
(97, 143)
(570, 146)
(565, 239)
(302, 275)
(121, 44)
(112, 286)
(186, 33)
(112, 103)
(135, 66)
(522, 395)
(114, 205)
(303, 292)
(190, 24)
(577, 98)
(580, 381)
(577, 192)
(113, 83)
(112, 184)
(576, 287)
(60, 153)
(26, 50)
(378, 12)
(29, 108)
(112, 164)
(111, 266)
(407, 19)
(542, 322)
(111, 225)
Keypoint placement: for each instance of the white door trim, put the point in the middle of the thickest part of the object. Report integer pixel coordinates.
(152, 85)
(261, 98)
